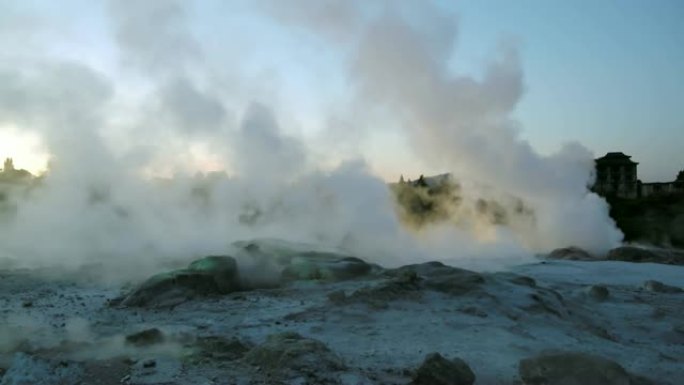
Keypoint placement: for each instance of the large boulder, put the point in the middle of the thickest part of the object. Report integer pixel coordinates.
(206, 276)
(598, 293)
(440, 277)
(289, 352)
(145, 337)
(571, 254)
(437, 370)
(325, 266)
(659, 287)
(409, 282)
(573, 368)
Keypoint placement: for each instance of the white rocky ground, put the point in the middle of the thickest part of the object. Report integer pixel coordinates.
(378, 327)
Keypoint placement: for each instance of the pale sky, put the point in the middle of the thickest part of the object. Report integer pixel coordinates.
(606, 73)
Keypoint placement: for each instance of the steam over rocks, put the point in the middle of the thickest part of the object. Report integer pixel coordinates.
(340, 321)
(267, 311)
(145, 337)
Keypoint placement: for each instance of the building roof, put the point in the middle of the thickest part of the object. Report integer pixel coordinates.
(615, 158)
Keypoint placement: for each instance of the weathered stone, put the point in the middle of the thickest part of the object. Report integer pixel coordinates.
(223, 269)
(220, 348)
(571, 368)
(289, 351)
(659, 287)
(597, 292)
(544, 300)
(206, 276)
(439, 277)
(149, 363)
(571, 254)
(437, 370)
(641, 255)
(404, 287)
(145, 338)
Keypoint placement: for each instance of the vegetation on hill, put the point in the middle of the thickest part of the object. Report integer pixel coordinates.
(421, 203)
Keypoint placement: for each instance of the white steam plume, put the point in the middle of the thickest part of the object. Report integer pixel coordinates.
(97, 205)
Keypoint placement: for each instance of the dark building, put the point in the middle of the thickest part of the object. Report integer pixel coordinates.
(616, 175)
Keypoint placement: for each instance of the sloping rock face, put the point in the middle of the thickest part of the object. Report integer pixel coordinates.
(638, 254)
(440, 277)
(145, 337)
(572, 368)
(206, 276)
(659, 287)
(290, 354)
(571, 254)
(293, 262)
(409, 282)
(218, 348)
(437, 370)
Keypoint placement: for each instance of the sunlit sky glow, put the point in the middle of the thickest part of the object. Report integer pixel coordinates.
(606, 73)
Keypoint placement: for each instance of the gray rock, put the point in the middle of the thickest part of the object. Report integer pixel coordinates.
(409, 282)
(325, 266)
(146, 337)
(437, 370)
(206, 276)
(544, 300)
(597, 292)
(289, 352)
(638, 254)
(149, 363)
(571, 254)
(219, 348)
(659, 287)
(571, 368)
(439, 277)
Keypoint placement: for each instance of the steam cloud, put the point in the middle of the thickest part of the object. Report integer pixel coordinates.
(103, 200)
